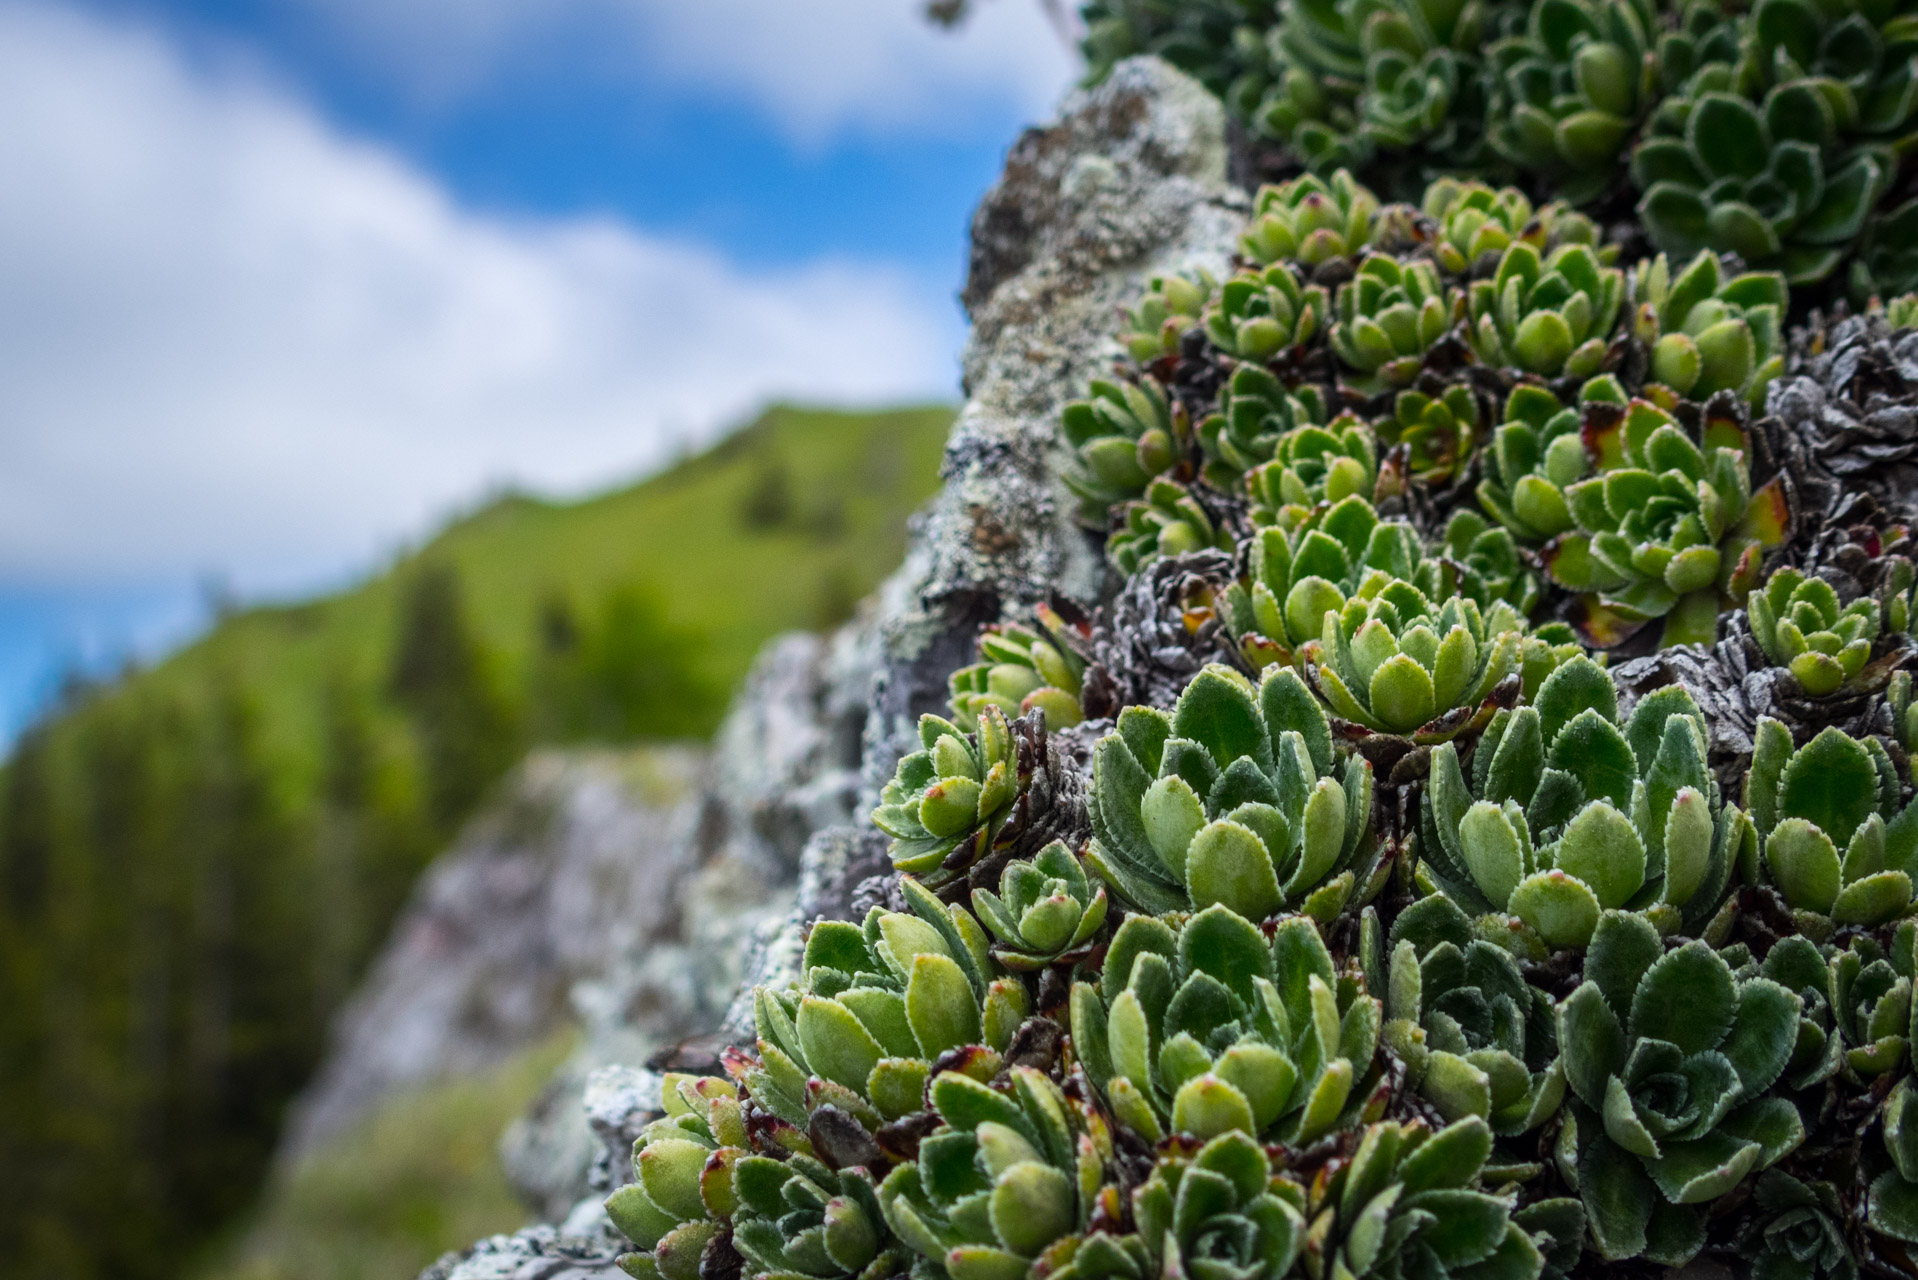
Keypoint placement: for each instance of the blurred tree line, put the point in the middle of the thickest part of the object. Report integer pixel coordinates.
(178, 919)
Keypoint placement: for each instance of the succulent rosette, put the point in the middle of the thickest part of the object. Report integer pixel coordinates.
(1489, 565)
(1171, 307)
(1408, 1203)
(1212, 1028)
(1768, 174)
(1396, 663)
(1236, 798)
(1671, 1057)
(1553, 315)
(1800, 625)
(1311, 465)
(1261, 314)
(1706, 336)
(1218, 42)
(1566, 95)
(1538, 452)
(1224, 1210)
(1259, 417)
(1300, 577)
(1168, 520)
(1430, 437)
(1836, 839)
(1008, 1183)
(1357, 83)
(1121, 436)
(1387, 317)
(681, 1195)
(1665, 524)
(1047, 910)
(877, 1005)
(1309, 220)
(1570, 813)
(1869, 987)
(1472, 220)
(1477, 1040)
(1023, 668)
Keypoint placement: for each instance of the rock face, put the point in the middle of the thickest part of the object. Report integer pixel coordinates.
(538, 893)
(1129, 181)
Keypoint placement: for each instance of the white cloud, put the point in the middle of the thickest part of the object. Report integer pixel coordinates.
(232, 340)
(815, 67)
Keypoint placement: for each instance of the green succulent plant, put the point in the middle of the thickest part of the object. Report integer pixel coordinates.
(1221, 43)
(1301, 576)
(1234, 798)
(1396, 663)
(1567, 94)
(1409, 1203)
(1358, 81)
(1210, 1028)
(1668, 528)
(798, 1216)
(948, 802)
(878, 1003)
(1022, 668)
(1536, 453)
(1490, 568)
(1671, 1057)
(1886, 265)
(1835, 838)
(1166, 521)
(1552, 315)
(681, 1194)
(1800, 966)
(1313, 464)
(1387, 317)
(1309, 220)
(1223, 1211)
(1263, 313)
(1258, 416)
(1570, 813)
(1892, 1208)
(1800, 625)
(1046, 911)
(1430, 438)
(1796, 1230)
(1870, 997)
(1471, 219)
(1010, 1179)
(1901, 312)
(1172, 306)
(1476, 1039)
(1121, 436)
(1705, 337)
(1763, 173)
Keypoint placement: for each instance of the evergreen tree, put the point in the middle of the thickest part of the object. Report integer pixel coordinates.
(469, 734)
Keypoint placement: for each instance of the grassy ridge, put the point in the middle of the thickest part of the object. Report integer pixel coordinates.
(727, 580)
(197, 859)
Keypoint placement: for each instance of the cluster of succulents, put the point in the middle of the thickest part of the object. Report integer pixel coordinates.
(1772, 131)
(1370, 890)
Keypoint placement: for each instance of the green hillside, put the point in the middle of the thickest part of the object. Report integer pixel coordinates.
(785, 524)
(197, 859)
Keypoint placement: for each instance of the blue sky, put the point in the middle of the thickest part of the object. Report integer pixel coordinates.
(282, 284)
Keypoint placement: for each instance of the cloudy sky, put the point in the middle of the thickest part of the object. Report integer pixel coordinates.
(284, 282)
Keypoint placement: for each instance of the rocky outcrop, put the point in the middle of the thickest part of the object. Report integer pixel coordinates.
(1129, 181)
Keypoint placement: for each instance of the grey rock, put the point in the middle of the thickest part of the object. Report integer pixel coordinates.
(1130, 180)
(540, 890)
